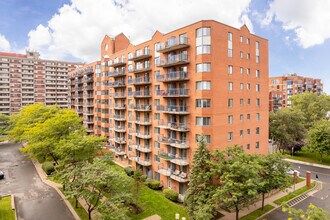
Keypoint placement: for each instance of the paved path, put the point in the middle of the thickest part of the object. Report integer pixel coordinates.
(34, 200)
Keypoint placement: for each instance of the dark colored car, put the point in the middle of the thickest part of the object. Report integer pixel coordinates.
(2, 175)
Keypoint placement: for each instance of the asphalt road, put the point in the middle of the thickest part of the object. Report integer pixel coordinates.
(320, 199)
(34, 200)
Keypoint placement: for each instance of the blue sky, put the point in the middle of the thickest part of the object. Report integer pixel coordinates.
(297, 30)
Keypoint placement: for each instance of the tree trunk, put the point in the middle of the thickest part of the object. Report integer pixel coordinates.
(237, 211)
(263, 201)
(89, 214)
(76, 202)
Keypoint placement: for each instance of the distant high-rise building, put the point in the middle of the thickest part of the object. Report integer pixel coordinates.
(153, 100)
(27, 79)
(281, 88)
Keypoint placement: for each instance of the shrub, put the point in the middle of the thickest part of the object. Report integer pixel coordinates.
(48, 167)
(129, 171)
(171, 195)
(153, 184)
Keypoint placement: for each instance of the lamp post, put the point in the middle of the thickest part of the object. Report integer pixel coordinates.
(177, 216)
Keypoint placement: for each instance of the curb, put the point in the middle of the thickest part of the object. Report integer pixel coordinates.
(46, 181)
(307, 163)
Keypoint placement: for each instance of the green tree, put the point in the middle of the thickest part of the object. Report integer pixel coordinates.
(314, 107)
(4, 123)
(44, 138)
(312, 213)
(199, 194)
(27, 118)
(238, 180)
(318, 139)
(272, 174)
(286, 128)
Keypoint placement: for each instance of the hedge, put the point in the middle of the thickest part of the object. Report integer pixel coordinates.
(48, 167)
(171, 195)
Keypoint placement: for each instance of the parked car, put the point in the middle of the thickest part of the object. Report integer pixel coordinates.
(291, 172)
(2, 175)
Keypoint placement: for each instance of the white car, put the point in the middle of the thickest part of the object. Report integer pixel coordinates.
(291, 172)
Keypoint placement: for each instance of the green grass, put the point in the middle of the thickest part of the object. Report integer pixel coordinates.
(80, 210)
(153, 202)
(293, 194)
(257, 213)
(6, 213)
(309, 157)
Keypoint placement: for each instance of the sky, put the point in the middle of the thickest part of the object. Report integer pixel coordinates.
(298, 30)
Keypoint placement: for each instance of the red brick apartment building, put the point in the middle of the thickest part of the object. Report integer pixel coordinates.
(281, 88)
(153, 100)
(26, 79)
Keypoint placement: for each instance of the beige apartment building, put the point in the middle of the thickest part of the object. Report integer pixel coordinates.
(27, 79)
(154, 99)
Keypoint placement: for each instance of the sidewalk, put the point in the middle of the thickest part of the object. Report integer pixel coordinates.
(268, 201)
(56, 186)
(307, 163)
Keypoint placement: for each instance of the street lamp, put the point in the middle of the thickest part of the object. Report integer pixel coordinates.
(177, 216)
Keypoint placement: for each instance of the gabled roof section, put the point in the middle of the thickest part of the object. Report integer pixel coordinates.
(245, 28)
(156, 34)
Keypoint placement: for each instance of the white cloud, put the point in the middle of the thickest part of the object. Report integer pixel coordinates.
(78, 28)
(4, 43)
(308, 19)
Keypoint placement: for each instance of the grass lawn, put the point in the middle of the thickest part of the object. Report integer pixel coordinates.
(257, 213)
(293, 194)
(153, 202)
(6, 213)
(309, 157)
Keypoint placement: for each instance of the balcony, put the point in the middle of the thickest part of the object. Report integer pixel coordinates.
(88, 112)
(173, 76)
(145, 121)
(120, 140)
(142, 108)
(183, 127)
(140, 81)
(142, 94)
(119, 95)
(88, 87)
(141, 55)
(140, 161)
(88, 96)
(143, 135)
(119, 117)
(88, 121)
(180, 92)
(182, 161)
(144, 149)
(164, 171)
(117, 84)
(179, 59)
(140, 69)
(118, 151)
(120, 129)
(120, 107)
(173, 43)
(172, 109)
(180, 177)
(88, 104)
(88, 79)
(164, 140)
(120, 62)
(88, 70)
(180, 144)
(165, 156)
(117, 73)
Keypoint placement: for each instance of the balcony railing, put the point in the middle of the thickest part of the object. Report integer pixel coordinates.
(144, 149)
(140, 69)
(143, 54)
(182, 161)
(117, 84)
(173, 109)
(145, 121)
(121, 129)
(117, 73)
(119, 117)
(140, 161)
(181, 177)
(179, 92)
(173, 44)
(141, 107)
(119, 107)
(119, 95)
(139, 134)
(174, 60)
(139, 81)
(142, 94)
(164, 171)
(119, 62)
(120, 140)
(173, 76)
(165, 155)
(173, 125)
(118, 150)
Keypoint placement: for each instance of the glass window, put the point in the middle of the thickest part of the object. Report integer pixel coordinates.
(248, 131)
(257, 73)
(241, 86)
(230, 119)
(203, 121)
(248, 101)
(230, 86)
(241, 39)
(203, 49)
(203, 67)
(248, 86)
(203, 40)
(257, 102)
(257, 145)
(241, 117)
(257, 130)
(230, 103)
(203, 103)
(241, 133)
(241, 70)
(241, 102)
(207, 138)
(248, 146)
(257, 87)
(257, 116)
(241, 54)
(230, 136)
(230, 69)
(203, 85)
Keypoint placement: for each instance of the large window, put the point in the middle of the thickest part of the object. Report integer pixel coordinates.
(230, 103)
(230, 136)
(203, 121)
(230, 44)
(207, 138)
(230, 119)
(203, 103)
(203, 67)
(230, 86)
(203, 40)
(203, 85)
(230, 69)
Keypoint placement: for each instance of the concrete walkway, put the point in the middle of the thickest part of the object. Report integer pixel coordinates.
(268, 201)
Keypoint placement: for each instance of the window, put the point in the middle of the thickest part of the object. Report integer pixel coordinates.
(241, 117)
(203, 121)
(207, 138)
(241, 39)
(203, 85)
(157, 130)
(241, 86)
(241, 70)
(230, 69)
(230, 86)
(203, 103)
(248, 71)
(241, 55)
(157, 116)
(247, 56)
(230, 119)
(230, 136)
(257, 73)
(241, 102)
(257, 145)
(257, 116)
(203, 40)
(247, 40)
(257, 102)
(203, 67)
(257, 130)
(248, 86)
(248, 101)
(248, 146)
(230, 44)
(257, 52)
(248, 116)
(230, 103)
(241, 133)
(257, 87)
(248, 131)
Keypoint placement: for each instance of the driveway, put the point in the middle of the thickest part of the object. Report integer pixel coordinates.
(34, 200)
